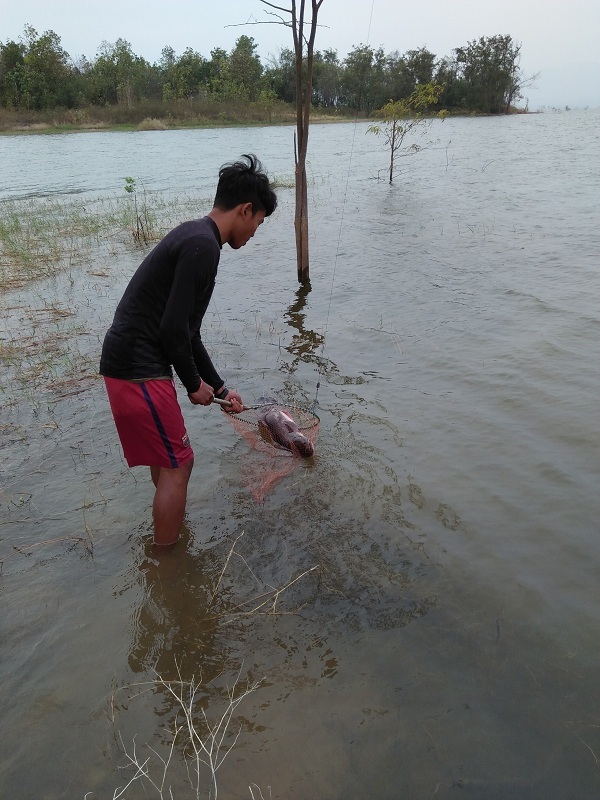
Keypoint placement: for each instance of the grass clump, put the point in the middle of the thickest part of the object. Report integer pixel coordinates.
(205, 741)
(41, 237)
(152, 124)
(41, 353)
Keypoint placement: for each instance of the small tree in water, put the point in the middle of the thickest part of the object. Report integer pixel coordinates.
(401, 117)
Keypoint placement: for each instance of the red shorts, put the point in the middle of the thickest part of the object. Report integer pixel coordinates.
(149, 422)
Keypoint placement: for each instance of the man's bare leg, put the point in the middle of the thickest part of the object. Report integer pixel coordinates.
(169, 501)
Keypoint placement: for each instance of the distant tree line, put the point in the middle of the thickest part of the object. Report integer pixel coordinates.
(37, 74)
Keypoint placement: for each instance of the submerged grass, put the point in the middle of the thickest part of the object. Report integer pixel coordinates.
(40, 237)
(45, 357)
(49, 248)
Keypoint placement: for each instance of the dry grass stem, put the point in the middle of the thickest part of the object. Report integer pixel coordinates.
(272, 596)
(260, 795)
(259, 602)
(24, 547)
(213, 595)
(204, 748)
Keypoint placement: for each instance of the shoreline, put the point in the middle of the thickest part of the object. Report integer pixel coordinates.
(158, 124)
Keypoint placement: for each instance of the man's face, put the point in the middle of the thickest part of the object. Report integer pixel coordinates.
(246, 225)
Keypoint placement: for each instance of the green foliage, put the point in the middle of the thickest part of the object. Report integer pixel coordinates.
(37, 74)
(118, 76)
(245, 69)
(327, 79)
(184, 77)
(363, 82)
(142, 221)
(13, 77)
(489, 73)
(281, 75)
(402, 117)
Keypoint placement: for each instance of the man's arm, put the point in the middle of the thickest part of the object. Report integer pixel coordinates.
(191, 290)
(204, 365)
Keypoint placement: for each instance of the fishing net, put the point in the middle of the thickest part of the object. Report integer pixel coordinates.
(282, 439)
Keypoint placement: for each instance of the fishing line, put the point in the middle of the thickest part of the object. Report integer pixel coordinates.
(340, 231)
(337, 252)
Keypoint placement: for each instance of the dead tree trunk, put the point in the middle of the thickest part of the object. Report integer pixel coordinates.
(302, 45)
(301, 221)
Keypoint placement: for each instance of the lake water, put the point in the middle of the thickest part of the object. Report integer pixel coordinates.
(448, 644)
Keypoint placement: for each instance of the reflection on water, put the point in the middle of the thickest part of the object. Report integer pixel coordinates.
(304, 343)
(307, 346)
(278, 606)
(176, 623)
(269, 463)
(184, 668)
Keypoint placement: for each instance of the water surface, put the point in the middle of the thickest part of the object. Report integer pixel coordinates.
(447, 644)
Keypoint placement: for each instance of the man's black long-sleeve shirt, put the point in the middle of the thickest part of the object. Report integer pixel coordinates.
(157, 323)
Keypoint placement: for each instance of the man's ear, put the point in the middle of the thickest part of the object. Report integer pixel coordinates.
(246, 209)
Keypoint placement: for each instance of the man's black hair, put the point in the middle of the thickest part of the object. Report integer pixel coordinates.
(245, 181)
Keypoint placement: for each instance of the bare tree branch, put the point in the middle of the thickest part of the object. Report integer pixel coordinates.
(279, 8)
(264, 22)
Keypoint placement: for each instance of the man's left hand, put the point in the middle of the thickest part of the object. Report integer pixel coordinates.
(237, 405)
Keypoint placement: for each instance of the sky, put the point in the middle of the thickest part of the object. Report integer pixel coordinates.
(559, 38)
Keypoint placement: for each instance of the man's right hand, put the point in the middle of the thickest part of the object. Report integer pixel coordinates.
(203, 396)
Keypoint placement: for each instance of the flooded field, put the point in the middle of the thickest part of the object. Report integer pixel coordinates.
(413, 614)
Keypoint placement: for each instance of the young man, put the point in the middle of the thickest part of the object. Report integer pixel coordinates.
(156, 329)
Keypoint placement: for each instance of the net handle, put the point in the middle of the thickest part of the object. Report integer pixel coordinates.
(227, 403)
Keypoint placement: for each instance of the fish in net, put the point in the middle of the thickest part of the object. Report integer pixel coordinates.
(282, 438)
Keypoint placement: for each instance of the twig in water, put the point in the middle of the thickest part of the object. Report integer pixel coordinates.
(214, 594)
(259, 790)
(207, 749)
(23, 548)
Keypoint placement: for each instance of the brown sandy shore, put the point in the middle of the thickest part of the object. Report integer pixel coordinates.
(58, 125)
(61, 121)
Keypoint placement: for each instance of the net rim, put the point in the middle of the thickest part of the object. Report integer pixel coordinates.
(307, 421)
